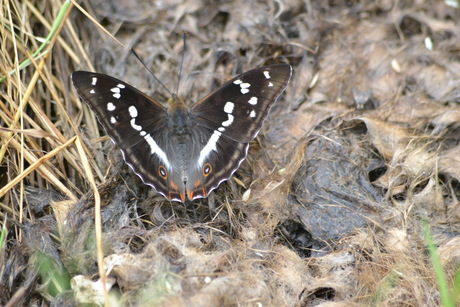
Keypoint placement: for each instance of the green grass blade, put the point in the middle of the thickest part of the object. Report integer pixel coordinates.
(37, 54)
(443, 287)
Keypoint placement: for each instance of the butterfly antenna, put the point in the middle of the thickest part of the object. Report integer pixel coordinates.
(181, 63)
(155, 77)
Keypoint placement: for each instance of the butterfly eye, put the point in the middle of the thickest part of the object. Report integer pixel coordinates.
(207, 169)
(162, 172)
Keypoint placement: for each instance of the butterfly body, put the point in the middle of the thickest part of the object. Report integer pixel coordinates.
(184, 153)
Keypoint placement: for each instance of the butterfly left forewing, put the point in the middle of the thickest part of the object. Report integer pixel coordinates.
(114, 101)
(137, 125)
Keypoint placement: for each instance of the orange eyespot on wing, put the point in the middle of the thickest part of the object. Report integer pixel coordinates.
(162, 172)
(207, 169)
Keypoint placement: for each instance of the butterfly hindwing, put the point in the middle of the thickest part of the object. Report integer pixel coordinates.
(207, 172)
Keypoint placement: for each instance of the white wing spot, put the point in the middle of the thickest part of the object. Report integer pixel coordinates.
(133, 124)
(121, 85)
(133, 111)
(210, 146)
(253, 101)
(143, 133)
(116, 91)
(92, 91)
(155, 149)
(237, 81)
(270, 84)
(94, 81)
(113, 120)
(110, 107)
(228, 122)
(221, 129)
(267, 74)
(252, 114)
(228, 108)
(244, 88)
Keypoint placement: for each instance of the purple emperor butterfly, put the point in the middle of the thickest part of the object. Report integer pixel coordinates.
(184, 152)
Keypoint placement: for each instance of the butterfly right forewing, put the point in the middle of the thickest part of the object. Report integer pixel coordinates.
(242, 104)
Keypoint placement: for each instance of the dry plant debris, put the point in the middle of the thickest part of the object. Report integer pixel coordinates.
(327, 208)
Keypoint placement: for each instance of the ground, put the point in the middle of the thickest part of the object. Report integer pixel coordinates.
(353, 176)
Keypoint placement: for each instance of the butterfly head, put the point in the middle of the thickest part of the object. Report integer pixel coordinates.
(176, 102)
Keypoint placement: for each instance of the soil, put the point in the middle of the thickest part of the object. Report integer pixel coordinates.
(355, 171)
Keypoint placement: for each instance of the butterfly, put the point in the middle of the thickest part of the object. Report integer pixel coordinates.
(184, 152)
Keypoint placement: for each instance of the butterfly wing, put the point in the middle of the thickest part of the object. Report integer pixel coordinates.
(223, 158)
(231, 117)
(243, 101)
(126, 114)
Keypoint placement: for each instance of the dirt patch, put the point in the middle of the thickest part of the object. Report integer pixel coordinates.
(327, 209)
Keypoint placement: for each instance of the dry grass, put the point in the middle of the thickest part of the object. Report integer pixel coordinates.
(326, 210)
